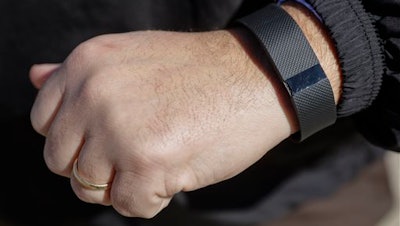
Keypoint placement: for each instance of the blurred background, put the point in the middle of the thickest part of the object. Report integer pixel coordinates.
(41, 31)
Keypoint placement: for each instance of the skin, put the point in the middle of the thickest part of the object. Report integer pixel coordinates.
(156, 113)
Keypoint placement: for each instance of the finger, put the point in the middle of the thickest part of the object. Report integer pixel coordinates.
(133, 195)
(64, 140)
(94, 167)
(39, 73)
(48, 102)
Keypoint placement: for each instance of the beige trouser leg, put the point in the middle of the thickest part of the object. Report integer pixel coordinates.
(392, 162)
(362, 202)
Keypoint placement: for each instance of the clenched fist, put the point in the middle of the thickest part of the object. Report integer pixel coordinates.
(150, 114)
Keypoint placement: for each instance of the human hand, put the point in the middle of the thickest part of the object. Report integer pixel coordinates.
(156, 113)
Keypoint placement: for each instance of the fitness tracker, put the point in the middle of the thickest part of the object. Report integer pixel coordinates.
(297, 66)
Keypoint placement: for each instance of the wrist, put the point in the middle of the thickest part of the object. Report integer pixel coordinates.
(290, 46)
(277, 108)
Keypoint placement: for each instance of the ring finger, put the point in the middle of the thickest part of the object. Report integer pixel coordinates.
(92, 173)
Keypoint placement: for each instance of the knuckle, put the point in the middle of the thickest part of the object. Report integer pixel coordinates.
(51, 162)
(95, 89)
(52, 159)
(92, 88)
(92, 49)
(83, 195)
(79, 192)
(129, 211)
(129, 206)
(81, 54)
(85, 51)
(37, 122)
(124, 206)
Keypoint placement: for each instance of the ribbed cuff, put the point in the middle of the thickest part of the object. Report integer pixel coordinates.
(359, 50)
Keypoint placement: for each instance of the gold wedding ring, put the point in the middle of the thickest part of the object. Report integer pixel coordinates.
(85, 183)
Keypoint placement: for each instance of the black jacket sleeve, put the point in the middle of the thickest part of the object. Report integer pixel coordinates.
(381, 122)
(367, 37)
(366, 34)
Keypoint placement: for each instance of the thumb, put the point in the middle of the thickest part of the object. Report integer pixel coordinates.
(39, 73)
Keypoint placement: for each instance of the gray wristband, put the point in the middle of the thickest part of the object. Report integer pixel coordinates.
(297, 66)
